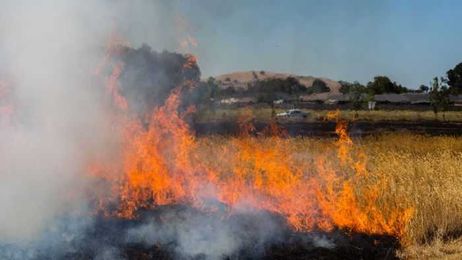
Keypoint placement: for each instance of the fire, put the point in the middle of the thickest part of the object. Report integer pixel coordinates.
(162, 162)
(191, 61)
(112, 87)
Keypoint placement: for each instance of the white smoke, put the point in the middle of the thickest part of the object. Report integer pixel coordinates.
(218, 235)
(49, 50)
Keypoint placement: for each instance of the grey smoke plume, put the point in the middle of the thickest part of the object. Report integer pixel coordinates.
(48, 50)
(191, 234)
(148, 76)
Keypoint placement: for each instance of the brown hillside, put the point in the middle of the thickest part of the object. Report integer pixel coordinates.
(242, 78)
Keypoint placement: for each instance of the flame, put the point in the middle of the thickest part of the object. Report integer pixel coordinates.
(113, 88)
(114, 45)
(162, 162)
(191, 61)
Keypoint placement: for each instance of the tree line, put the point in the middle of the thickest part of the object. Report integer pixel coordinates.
(268, 90)
(265, 91)
(452, 83)
(439, 91)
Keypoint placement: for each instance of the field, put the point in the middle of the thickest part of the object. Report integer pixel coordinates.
(264, 114)
(408, 172)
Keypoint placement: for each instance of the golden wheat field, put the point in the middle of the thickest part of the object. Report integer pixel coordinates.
(417, 175)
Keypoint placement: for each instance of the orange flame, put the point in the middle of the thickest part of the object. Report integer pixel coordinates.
(112, 87)
(164, 163)
(191, 61)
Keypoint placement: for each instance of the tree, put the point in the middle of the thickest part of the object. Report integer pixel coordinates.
(424, 89)
(229, 91)
(289, 85)
(382, 84)
(346, 87)
(454, 79)
(266, 97)
(356, 93)
(319, 86)
(202, 95)
(439, 96)
(213, 87)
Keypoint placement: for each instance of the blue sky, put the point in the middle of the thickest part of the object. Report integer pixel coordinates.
(409, 41)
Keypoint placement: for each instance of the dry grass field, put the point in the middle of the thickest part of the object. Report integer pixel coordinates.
(421, 174)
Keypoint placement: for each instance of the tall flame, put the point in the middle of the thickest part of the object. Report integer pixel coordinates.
(164, 163)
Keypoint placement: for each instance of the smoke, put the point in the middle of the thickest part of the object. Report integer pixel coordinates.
(49, 50)
(191, 234)
(149, 76)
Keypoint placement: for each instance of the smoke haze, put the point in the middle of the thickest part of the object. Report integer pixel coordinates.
(49, 50)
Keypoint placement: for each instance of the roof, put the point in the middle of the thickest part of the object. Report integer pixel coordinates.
(323, 97)
(393, 98)
(413, 98)
(418, 97)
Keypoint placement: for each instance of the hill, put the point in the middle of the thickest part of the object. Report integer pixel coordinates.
(243, 78)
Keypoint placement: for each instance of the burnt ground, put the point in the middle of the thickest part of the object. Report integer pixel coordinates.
(327, 128)
(161, 234)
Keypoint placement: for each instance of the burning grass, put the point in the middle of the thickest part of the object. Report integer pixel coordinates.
(394, 185)
(417, 172)
(403, 186)
(399, 185)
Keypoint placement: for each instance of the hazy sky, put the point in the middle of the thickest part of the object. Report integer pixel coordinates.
(409, 41)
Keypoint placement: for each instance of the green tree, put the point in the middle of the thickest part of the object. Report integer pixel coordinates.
(356, 95)
(454, 81)
(382, 84)
(439, 96)
(289, 85)
(212, 88)
(344, 86)
(319, 86)
(204, 94)
(424, 89)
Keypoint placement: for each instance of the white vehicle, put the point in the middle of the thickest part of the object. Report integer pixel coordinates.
(293, 113)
